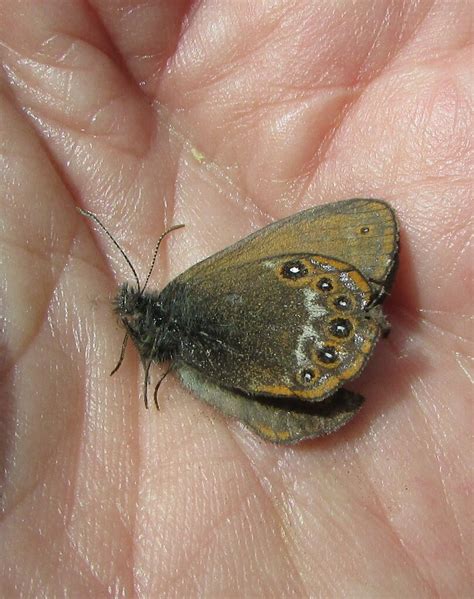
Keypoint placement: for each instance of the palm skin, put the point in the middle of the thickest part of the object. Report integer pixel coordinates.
(225, 116)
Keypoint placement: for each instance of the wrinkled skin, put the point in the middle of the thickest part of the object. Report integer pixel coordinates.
(225, 116)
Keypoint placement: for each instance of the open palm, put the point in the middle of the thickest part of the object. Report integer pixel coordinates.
(225, 116)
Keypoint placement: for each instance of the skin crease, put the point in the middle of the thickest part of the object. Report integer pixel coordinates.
(226, 116)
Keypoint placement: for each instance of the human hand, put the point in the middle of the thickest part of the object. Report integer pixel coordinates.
(225, 116)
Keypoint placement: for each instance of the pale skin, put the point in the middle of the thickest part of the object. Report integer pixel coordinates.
(225, 116)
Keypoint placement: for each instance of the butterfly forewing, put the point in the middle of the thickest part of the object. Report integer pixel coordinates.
(361, 232)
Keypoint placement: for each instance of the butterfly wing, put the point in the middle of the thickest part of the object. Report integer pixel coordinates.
(361, 232)
(288, 326)
(278, 423)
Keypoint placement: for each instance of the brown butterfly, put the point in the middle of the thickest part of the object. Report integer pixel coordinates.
(269, 329)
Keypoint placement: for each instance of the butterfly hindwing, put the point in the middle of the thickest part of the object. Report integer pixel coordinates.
(278, 422)
(307, 330)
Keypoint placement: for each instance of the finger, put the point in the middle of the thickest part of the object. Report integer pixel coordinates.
(66, 75)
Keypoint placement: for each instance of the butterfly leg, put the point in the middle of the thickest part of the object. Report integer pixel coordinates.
(157, 386)
(145, 383)
(122, 355)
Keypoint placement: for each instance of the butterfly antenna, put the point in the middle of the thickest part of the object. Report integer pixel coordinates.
(155, 253)
(93, 217)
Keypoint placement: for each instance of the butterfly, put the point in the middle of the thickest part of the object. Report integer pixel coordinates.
(270, 329)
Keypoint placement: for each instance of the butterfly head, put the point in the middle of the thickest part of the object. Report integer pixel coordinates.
(129, 302)
(141, 315)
